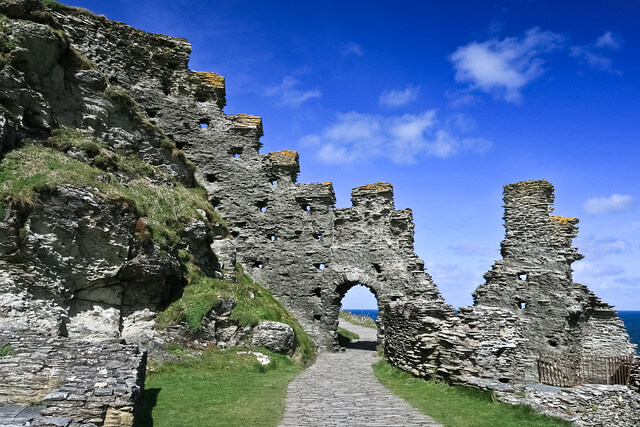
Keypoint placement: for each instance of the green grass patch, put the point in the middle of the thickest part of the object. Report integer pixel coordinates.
(253, 304)
(358, 320)
(5, 350)
(164, 209)
(458, 406)
(346, 337)
(219, 388)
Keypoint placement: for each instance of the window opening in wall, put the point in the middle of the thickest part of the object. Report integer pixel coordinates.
(262, 206)
(263, 209)
(274, 182)
(553, 343)
(523, 276)
(258, 264)
(317, 292)
(317, 316)
(377, 268)
(320, 266)
(522, 305)
(395, 298)
(317, 236)
(272, 237)
(210, 177)
(236, 152)
(215, 202)
(204, 124)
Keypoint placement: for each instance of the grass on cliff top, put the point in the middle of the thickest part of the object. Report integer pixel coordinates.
(219, 388)
(253, 305)
(164, 209)
(358, 320)
(458, 406)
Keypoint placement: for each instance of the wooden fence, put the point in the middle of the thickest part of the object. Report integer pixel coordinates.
(564, 370)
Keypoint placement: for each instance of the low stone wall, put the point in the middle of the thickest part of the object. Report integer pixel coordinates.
(480, 346)
(65, 382)
(586, 405)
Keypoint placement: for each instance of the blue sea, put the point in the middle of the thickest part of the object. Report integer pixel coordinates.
(631, 320)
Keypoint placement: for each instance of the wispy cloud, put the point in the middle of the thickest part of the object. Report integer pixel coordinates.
(289, 94)
(588, 269)
(607, 205)
(609, 40)
(595, 55)
(396, 98)
(503, 67)
(351, 48)
(596, 249)
(356, 137)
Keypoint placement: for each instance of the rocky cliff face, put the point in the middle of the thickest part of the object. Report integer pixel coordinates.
(83, 246)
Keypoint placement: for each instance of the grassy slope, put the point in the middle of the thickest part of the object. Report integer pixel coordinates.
(458, 406)
(219, 388)
(358, 320)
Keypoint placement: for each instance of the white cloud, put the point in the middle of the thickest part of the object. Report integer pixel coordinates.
(289, 94)
(587, 269)
(351, 48)
(607, 205)
(356, 137)
(592, 55)
(595, 249)
(608, 40)
(396, 98)
(503, 67)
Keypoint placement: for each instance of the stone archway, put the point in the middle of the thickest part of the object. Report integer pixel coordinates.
(341, 286)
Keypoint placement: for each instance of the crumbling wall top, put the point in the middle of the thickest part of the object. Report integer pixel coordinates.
(378, 192)
(213, 79)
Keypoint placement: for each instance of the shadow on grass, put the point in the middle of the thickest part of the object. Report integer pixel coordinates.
(148, 401)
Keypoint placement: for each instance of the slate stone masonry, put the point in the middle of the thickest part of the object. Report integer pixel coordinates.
(70, 382)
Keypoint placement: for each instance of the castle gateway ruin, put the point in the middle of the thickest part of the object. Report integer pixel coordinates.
(67, 273)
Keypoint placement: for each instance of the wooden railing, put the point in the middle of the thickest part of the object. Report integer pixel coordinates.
(560, 369)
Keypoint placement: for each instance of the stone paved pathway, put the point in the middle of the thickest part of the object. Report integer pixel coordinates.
(341, 389)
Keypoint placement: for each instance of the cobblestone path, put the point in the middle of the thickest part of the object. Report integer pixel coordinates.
(341, 389)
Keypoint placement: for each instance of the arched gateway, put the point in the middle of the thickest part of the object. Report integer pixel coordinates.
(322, 252)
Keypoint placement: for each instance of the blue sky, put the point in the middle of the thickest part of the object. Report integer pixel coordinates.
(447, 101)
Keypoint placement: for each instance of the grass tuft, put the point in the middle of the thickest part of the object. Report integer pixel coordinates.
(458, 406)
(5, 350)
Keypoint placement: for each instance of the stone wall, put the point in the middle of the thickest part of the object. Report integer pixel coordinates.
(287, 235)
(479, 346)
(62, 382)
(528, 304)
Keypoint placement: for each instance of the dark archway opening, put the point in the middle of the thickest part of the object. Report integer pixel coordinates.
(358, 310)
